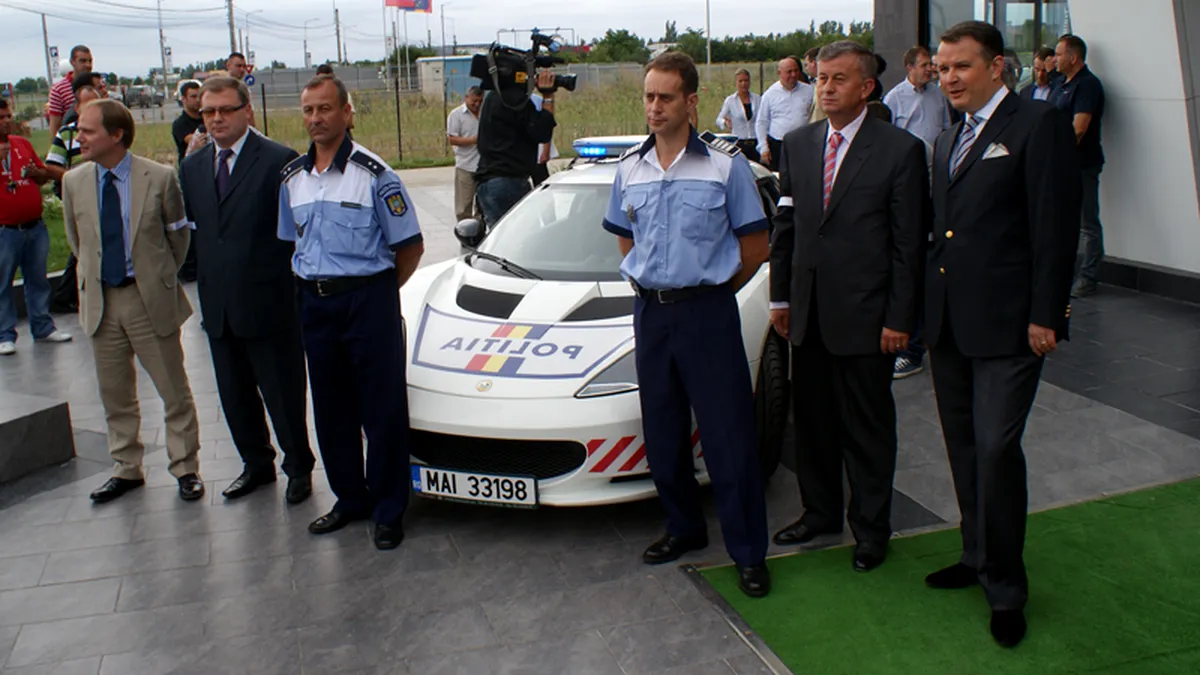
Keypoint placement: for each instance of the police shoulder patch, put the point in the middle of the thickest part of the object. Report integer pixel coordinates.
(719, 144)
(293, 167)
(368, 162)
(392, 196)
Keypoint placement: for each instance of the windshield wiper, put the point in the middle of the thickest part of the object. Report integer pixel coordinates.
(505, 264)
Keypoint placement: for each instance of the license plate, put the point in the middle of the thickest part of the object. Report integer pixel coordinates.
(461, 486)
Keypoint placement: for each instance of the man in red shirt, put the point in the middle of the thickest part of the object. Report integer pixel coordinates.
(62, 97)
(24, 241)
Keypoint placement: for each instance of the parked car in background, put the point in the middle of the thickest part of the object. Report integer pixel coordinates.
(143, 96)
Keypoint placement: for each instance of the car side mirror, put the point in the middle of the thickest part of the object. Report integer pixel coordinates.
(469, 232)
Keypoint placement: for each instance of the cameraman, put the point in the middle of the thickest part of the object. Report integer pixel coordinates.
(510, 130)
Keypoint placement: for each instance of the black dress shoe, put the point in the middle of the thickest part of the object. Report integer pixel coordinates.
(1008, 627)
(332, 522)
(955, 576)
(115, 487)
(388, 537)
(754, 580)
(867, 558)
(248, 482)
(191, 487)
(299, 488)
(800, 533)
(671, 548)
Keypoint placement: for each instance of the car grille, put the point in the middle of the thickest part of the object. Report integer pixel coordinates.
(540, 459)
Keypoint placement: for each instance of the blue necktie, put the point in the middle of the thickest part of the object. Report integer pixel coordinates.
(112, 233)
(223, 172)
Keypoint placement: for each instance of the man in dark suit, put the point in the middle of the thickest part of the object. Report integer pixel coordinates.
(845, 277)
(1006, 200)
(247, 291)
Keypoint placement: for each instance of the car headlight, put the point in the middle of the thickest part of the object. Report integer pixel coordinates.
(619, 378)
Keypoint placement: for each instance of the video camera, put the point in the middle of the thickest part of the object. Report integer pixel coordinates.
(507, 69)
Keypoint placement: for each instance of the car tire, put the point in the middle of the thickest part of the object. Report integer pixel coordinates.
(772, 399)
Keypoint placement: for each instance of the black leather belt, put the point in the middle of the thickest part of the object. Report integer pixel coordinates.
(24, 226)
(668, 296)
(327, 287)
(127, 281)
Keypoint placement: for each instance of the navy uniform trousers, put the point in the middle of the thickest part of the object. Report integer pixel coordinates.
(356, 368)
(690, 356)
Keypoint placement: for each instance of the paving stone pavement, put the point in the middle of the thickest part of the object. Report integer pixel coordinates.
(151, 585)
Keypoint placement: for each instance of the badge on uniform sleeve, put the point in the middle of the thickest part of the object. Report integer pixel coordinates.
(630, 213)
(395, 202)
(300, 229)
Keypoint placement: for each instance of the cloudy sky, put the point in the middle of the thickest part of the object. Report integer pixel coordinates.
(123, 34)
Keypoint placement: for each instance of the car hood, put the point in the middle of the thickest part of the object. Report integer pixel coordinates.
(475, 334)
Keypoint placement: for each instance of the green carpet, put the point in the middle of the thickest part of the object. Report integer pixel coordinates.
(1114, 588)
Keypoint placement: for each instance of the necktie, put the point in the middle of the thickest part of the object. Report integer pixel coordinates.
(830, 166)
(223, 172)
(965, 140)
(112, 233)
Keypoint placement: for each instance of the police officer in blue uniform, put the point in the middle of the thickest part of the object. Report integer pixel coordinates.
(357, 240)
(690, 222)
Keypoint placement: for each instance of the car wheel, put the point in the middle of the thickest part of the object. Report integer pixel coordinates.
(772, 397)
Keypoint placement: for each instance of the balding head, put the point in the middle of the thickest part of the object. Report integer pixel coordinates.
(789, 72)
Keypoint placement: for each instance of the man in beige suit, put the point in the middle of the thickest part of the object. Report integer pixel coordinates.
(125, 223)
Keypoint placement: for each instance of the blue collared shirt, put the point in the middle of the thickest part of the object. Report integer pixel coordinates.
(348, 220)
(1041, 92)
(123, 171)
(921, 112)
(684, 219)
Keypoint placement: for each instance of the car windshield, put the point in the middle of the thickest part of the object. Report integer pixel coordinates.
(556, 233)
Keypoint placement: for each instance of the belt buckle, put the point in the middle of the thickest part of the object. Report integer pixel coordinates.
(663, 297)
(321, 292)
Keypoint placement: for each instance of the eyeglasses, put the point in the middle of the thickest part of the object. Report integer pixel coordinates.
(226, 110)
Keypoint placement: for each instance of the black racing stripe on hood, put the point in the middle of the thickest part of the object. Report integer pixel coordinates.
(602, 308)
(487, 302)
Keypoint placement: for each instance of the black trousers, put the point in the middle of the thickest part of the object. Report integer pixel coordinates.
(271, 370)
(983, 404)
(356, 362)
(776, 147)
(845, 415)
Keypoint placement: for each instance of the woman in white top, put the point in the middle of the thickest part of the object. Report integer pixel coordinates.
(738, 112)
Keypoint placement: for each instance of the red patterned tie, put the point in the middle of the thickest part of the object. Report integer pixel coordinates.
(830, 164)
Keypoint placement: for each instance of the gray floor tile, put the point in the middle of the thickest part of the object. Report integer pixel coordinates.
(34, 513)
(98, 563)
(364, 562)
(555, 614)
(750, 664)
(676, 642)
(582, 653)
(277, 655)
(8, 638)
(55, 641)
(357, 643)
(64, 537)
(62, 601)
(212, 582)
(22, 572)
(90, 666)
(467, 583)
(706, 668)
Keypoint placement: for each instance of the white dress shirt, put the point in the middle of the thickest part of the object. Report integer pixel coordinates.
(237, 151)
(733, 109)
(923, 112)
(781, 111)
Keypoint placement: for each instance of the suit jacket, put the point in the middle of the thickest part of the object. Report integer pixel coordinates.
(864, 253)
(1005, 230)
(243, 270)
(157, 250)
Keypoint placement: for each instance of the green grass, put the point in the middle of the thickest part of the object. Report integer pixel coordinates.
(1114, 589)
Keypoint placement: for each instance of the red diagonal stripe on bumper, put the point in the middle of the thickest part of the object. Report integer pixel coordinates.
(638, 456)
(613, 455)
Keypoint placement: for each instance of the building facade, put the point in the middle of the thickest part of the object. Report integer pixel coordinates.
(1147, 53)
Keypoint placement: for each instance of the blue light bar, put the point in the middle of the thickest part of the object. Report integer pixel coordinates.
(592, 151)
(605, 147)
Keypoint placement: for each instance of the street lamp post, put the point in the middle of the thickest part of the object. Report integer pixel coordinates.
(445, 76)
(249, 48)
(307, 60)
(708, 45)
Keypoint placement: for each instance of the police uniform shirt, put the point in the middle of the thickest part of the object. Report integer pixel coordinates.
(684, 219)
(348, 220)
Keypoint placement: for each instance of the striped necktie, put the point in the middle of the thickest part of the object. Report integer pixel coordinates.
(965, 140)
(830, 166)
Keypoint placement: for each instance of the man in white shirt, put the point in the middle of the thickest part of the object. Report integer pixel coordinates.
(785, 106)
(917, 105)
(462, 128)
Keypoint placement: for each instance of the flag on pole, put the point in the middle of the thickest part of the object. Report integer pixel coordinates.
(425, 6)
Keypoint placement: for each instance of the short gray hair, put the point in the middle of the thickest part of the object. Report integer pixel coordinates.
(866, 58)
(474, 90)
(740, 72)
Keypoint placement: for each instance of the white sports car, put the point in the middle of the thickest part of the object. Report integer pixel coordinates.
(521, 379)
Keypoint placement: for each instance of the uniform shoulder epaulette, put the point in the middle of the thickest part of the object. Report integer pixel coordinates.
(630, 152)
(720, 144)
(293, 167)
(368, 162)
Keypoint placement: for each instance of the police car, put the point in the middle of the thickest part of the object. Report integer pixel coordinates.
(522, 386)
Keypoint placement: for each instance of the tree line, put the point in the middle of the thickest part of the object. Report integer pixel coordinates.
(625, 46)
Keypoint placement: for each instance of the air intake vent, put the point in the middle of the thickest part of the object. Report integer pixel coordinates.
(540, 459)
(603, 308)
(488, 303)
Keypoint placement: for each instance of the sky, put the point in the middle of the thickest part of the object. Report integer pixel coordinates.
(123, 34)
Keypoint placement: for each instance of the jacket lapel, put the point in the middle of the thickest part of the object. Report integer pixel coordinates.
(941, 157)
(245, 162)
(89, 199)
(999, 120)
(139, 188)
(206, 178)
(813, 185)
(856, 156)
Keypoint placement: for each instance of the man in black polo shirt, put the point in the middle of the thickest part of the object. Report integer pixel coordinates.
(1081, 95)
(510, 129)
(189, 121)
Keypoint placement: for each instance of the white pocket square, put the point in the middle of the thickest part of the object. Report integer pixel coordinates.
(995, 150)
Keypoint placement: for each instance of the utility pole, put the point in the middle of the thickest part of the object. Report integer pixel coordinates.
(162, 52)
(232, 36)
(46, 51)
(445, 76)
(337, 23)
(241, 42)
(708, 38)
